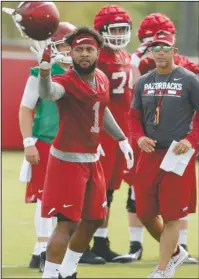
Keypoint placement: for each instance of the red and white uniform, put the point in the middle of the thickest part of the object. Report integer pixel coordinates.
(75, 185)
(122, 76)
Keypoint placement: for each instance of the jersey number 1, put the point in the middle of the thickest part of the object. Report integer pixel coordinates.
(95, 128)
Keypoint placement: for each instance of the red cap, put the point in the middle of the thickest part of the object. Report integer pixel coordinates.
(164, 37)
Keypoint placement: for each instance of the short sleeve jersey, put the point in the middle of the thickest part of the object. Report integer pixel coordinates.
(81, 120)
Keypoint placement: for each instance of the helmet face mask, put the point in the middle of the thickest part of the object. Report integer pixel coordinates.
(58, 39)
(114, 24)
(62, 56)
(117, 39)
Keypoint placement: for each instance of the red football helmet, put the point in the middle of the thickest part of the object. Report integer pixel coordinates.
(109, 18)
(38, 20)
(152, 23)
(63, 31)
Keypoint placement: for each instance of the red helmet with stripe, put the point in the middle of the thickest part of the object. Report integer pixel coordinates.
(109, 18)
(38, 20)
(154, 22)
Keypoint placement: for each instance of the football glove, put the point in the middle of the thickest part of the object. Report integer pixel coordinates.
(128, 152)
(42, 50)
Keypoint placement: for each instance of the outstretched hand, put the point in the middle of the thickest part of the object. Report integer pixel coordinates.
(42, 50)
(182, 147)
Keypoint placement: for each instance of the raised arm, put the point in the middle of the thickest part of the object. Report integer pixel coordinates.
(47, 88)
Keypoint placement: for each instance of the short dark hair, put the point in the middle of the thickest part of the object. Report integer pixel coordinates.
(85, 30)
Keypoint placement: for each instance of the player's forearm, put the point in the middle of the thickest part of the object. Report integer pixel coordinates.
(193, 136)
(25, 121)
(135, 124)
(48, 89)
(45, 73)
(111, 126)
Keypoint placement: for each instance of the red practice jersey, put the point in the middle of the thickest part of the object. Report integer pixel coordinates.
(147, 64)
(122, 77)
(81, 112)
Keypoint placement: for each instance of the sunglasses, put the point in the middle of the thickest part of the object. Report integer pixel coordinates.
(164, 48)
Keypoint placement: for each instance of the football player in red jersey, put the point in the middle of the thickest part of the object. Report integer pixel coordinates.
(45, 126)
(114, 24)
(39, 130)
(74, 187)
(151, 24)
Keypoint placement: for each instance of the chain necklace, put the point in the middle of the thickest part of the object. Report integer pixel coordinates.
(160, 99)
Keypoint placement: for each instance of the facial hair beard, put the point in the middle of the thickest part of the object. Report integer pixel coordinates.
(84, 71)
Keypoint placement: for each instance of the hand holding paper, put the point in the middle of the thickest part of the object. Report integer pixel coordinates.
(176, 163)
(182, 146)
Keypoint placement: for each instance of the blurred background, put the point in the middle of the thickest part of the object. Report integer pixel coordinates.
(184, 14)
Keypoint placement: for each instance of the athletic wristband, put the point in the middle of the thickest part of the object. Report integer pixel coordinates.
(44, 65)
(28, 141)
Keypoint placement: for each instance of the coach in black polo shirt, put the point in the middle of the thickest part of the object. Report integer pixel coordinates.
(165, 101)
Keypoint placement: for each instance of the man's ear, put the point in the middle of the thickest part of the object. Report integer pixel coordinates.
(175, 50)
(149, 51)
(98, 52)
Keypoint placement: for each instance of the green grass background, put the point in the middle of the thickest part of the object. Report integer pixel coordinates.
(18, 236)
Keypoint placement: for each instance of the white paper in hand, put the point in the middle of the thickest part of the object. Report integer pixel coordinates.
(25, 172)
(176, 163)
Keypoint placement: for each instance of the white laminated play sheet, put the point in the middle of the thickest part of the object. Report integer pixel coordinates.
(176, 163)
(26, 171)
